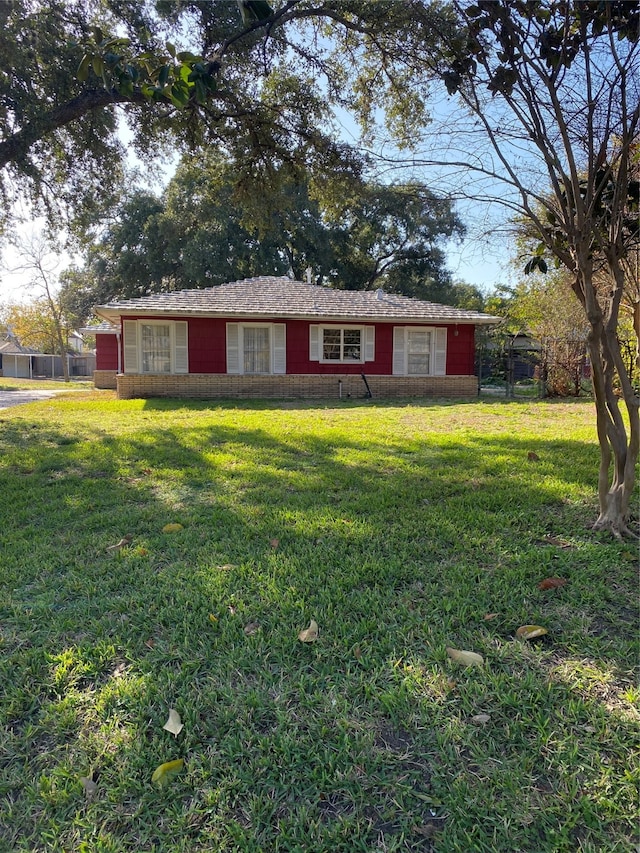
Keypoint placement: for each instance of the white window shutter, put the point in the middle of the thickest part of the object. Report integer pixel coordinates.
(279, 343)
(233, 348)
(440, 354)
(181, 356)
(398, 368)
(369, 343)
(130, 336)
(314, 343)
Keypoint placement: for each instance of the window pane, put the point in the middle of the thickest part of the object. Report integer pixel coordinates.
(352, 344)
(257, 350)
(331, 344)
(418, 352)
(156, 349)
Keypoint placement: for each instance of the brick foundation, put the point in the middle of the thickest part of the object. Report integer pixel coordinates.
(105, 379)
(307, 386)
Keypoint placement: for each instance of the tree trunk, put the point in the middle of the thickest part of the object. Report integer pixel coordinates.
(618, 456)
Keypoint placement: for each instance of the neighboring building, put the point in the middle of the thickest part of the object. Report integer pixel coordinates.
(275, 337)
(21, 362)
(17, 361)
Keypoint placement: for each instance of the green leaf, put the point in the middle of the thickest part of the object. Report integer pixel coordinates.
(83, 69)
(167, 772)
(186, 56)
(97, 65)
(171, 50)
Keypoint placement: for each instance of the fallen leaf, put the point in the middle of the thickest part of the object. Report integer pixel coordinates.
(533, 457)
(629, 556)
(489, 616)
(310, 634)
(480, 719)
(552, 583)
(90, 787)
(530, 632)
(166, 772)
(174, 723)
(119, 670)
(274, 543)
(427, 830)
(232, 610)
(555, 540)
(251, 628)
(150, 643)
(122, 543)
(357, 652)
(213, 618)
(174, 527)
(227, 567)
(464, 657)
(451, 684)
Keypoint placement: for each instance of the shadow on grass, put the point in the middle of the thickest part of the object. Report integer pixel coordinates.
(398, 549)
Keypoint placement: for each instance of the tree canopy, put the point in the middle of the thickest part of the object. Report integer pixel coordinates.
(187, 74)
(203, 231)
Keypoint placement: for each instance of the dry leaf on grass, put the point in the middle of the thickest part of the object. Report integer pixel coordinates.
(274, 543)
(530, 632)
(310, 634)
(532, 456)
(488, 617)
(126, 540)
(480, 719)
(167, 772)
(464, 657)
(174, 723)
(251, 628)
(552, 583)
(89, 786)
(173, 527)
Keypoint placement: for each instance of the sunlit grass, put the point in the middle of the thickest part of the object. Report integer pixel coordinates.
(401, 529)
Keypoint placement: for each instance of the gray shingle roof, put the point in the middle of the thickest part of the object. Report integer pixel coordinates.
(12, 347)
(283, 298)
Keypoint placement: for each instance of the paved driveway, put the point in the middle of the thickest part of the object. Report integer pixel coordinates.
(14, 398)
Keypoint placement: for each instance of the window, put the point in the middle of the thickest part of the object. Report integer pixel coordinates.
(254, 349)
(257, 349)
(419, 351)
(341, 344)
(155, 348)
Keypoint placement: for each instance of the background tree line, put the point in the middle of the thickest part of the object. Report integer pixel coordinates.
(202, 231)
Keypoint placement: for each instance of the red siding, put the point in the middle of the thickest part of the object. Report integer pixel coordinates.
(460, 350)
(106, 352)
(207, 345)
(207, 348)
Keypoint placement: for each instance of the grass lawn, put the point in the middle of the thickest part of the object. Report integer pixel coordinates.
(8, 383)
(401, 530)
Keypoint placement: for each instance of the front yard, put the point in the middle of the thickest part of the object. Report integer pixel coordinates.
(402, 530)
